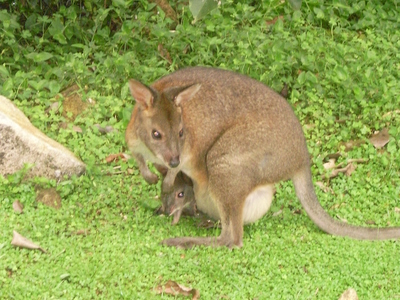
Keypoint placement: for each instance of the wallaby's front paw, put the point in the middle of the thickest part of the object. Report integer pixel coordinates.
(151, 178)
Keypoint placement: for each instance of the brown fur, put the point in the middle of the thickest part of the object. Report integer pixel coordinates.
(240, 138)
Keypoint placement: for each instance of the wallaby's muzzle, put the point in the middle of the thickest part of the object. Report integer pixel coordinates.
(174, 162)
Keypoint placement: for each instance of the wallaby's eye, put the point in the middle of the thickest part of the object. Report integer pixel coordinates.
(181, 133)
(156, 135)
(181, 195)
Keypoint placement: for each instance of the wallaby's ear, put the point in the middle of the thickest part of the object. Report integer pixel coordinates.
(187, 94)
(141, 93)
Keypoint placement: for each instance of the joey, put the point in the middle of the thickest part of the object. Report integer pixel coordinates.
(181, 200)
(235, 138)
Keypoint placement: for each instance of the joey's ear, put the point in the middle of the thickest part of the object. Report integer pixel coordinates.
(187, 94)
(141, 93)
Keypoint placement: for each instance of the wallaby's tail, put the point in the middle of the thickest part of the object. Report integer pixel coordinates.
(305, 192)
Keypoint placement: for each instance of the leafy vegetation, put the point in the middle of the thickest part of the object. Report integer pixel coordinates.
(339, 60)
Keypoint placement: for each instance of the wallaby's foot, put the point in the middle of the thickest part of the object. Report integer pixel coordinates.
(150, 178)
(190, 242)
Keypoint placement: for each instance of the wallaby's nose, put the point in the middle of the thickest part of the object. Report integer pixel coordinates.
(174, 162)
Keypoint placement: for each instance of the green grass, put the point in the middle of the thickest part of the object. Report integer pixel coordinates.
(340, 60)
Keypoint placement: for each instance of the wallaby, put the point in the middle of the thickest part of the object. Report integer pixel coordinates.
(235, 138)
(181, 200)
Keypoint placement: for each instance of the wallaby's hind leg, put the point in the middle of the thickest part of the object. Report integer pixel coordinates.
(231, 178)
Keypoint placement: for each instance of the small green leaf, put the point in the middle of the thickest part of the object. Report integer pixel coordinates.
(200, 8)
(38, 57)
(295, 4)
(319, 12)
(341, 73)
(4, 71)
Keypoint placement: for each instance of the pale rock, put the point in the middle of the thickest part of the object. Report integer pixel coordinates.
(349, 294)
(21, 142)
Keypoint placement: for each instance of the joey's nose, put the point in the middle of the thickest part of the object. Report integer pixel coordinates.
(174, 162)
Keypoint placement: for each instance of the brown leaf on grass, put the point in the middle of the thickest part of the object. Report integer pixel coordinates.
(81, 232)
(116, 157)
(397, 111)
(18, 207)
(336, 172)
(349, 294)
(53, 107)
(77, 129)
(347, 170)
(273, 21)
(330, 164)
(104, 130)
(22, 242)
(341, 219)
(167, 9)
(380, 138)
(175, 289)
(277, 213)
(164, 53)
(351, 144)
(350, 169)
(323, 187)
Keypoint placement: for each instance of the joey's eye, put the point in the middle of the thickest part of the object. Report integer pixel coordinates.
(181, 133)
(181, 195)
(156, 135)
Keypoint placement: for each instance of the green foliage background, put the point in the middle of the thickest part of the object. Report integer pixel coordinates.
(340, 60)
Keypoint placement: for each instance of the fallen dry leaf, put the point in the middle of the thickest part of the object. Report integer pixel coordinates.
(80, 232)
(351, 144)
(341, 219)
(164, 53)
(53, 107)
(22, 242)
(18, 207)
(273, 21)
(380, 138)
(335, 172)
(277, 213)
(323, 187)
(349, 294)
(77, 129)
(116, 157)
(397, 111)
(330, 164)
(106, 129)
(173, 288)
(350, 169)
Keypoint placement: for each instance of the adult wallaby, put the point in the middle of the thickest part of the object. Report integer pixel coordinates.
(234, 137)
